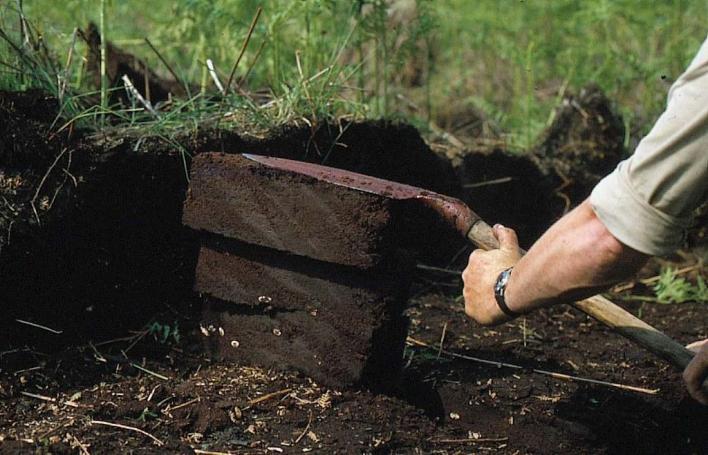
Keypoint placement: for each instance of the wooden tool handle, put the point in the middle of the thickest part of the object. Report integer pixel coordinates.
(607, 312)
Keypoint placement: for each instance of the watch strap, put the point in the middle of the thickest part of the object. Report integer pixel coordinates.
(500, 291)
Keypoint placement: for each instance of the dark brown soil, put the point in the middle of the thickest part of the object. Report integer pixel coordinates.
(216, 277)
(110, 257)
(443, 404)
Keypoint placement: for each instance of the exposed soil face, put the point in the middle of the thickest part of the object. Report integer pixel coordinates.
(111, 255)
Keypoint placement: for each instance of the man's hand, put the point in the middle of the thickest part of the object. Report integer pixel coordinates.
(481, 273)
(697, 371)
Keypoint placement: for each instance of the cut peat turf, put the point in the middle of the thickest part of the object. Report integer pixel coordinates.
(339, 325)
(308, 275)
(244, 200)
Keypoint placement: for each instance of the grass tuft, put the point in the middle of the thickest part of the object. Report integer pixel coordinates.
(672, 288)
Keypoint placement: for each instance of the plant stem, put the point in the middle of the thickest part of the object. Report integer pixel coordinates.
(104, 57)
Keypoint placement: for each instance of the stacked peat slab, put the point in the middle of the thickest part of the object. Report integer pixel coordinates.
(298, 273)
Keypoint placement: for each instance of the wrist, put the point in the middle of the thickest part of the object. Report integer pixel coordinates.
(501, 295)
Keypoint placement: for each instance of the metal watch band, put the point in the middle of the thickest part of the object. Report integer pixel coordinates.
(500, 290)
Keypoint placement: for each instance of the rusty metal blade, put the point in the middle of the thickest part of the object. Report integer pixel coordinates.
(451, 209)
(342, 177)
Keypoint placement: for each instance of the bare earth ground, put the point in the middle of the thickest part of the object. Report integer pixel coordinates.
(143, 394)
(71, 403)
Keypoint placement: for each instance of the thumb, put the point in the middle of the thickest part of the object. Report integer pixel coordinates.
(507, 238)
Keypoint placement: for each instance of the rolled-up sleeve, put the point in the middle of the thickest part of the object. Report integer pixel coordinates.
(647, 202)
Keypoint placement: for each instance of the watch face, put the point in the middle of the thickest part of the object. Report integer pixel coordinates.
(501, 281)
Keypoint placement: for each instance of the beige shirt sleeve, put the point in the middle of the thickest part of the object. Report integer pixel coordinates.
(647, 201)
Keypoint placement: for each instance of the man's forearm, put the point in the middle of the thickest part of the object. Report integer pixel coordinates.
(576, 258)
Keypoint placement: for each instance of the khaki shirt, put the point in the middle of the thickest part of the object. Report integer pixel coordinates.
(647, 201)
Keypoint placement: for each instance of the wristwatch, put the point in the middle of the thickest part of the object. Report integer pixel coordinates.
(500, 290)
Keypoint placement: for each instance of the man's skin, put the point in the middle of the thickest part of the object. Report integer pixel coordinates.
(576, 258)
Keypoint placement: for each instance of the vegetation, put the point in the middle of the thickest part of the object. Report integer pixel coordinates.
(420, 59)
(672, 288)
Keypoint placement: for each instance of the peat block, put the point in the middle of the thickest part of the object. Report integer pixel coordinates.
(298, 272)
(244, 200)
(340, 325)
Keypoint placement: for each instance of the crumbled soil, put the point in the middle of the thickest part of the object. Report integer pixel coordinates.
(108, 265)
(442, 404)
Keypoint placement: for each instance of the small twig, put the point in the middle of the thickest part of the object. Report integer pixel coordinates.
(117, 340)
(136, 339)
(130, 88)
(253, 63)
(465, 440)
(162, 59)
(27, 370)
(152, 373)
(449, 137)
(82, 447)
(39, 326)
(190, 402)
(243, 48)
(126, 427)
(214, 76)
(563, 376)
(439, 269)
(488, 182)
(97, 355)
(267, 396)
(307, 428)
(146, 81)
(211, 452)
(39, 397)
(442, 340)
(41, 183)
(59, 188)
(55, 429)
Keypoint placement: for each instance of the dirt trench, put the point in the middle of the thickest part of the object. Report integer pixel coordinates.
(91, 240)
(106, 252)
(91, 232)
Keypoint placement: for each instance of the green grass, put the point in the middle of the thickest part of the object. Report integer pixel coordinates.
(672, 288)
(512, 59)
